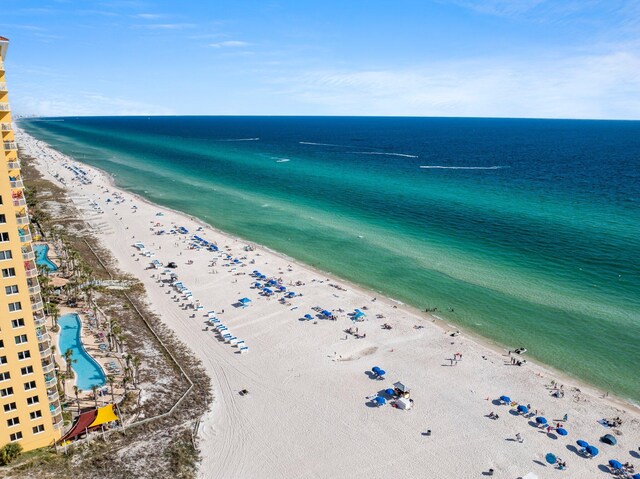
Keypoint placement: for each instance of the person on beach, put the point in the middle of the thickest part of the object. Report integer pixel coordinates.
(519, 438)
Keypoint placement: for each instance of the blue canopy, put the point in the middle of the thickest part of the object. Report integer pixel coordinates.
(282, 288)
(592, 450)
(562, 431)
(615, 464)
(375, 369)
(609, 439)
(551, 458)
(245, 300)
(358, 315)
(523, 409)
(542, 420)
(308, 316)
(326, 313)
(582, 443)
(506, 399)
(390, 391)
(635, 476)
(255, 271)
(262, 276)
(381, 372)
(380, 401)
(291, 294)
(258, 285)
(267, 290)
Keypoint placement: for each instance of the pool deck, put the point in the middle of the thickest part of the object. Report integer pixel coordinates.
(89, 335)
(52, 254)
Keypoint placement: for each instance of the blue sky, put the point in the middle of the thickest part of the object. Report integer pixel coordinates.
(497, 58)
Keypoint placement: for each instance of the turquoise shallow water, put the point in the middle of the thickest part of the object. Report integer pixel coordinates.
(42, 258)
(88, 372)
(529, 230)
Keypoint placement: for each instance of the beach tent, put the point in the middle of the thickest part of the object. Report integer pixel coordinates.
(582, 443)
(562, 431)
(404, 404)
(505, 399)
(308, 316)
(291, 294)
(615, 464)
(541, 420)
(523, 409)
(244, 302)
(551, 458)
(105, 415)
(358, 315)
(326, 313)
(592, 451)
(401, 387)
(609, 439)
(380, 401)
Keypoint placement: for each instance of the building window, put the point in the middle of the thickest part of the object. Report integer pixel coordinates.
(10, 407)
(8, 272)
(4, 237)
(1, 343)
(29, 386)
(9, 290)
(3, 360)
(38, 429)
(13, 307)
(21, 339)
(5, 376)
(1, 199)
(17, 323)
(35, 414)
(26, 370)
(24, 355)
(6, 392)
(6, 254)
(16, 436)
(32, 400)
(14, 421)
(3, 219)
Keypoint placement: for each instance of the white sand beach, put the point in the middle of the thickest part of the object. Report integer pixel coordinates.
(306, 413)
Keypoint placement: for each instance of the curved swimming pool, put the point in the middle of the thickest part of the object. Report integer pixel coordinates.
(88, 371)
(42, 259)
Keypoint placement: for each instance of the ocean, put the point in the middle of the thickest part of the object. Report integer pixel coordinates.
(526, 232)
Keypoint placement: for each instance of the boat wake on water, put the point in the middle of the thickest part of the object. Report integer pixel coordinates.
(240, 139)
(437, 167)
(280, 160)
(323, 144)
(384, 153)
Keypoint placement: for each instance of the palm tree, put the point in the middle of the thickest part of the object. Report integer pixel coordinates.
(111, 379)
(68, 359)
(94, 389)
(76, 391)
(54, 311)
(135, 362)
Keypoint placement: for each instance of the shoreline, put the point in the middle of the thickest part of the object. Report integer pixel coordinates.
(223, 422)
(440, 322)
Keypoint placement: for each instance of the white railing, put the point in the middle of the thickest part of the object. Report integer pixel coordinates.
(39, 321)
(6, 127)
(37, 306)
(34, 289)
(56, 411)
(48, 367)
(50, 381)
(13, 165)
(4, 107)
(54, 396)
(9, 145)
(45, 353)
(26, 238)
(28, 255)
(19, 202)
(43, 337)
(31, 272)
(16, 184)
(3, 86)
(22, 220)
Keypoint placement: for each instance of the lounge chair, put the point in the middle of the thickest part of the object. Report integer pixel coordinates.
(244, 349)
(228, 339)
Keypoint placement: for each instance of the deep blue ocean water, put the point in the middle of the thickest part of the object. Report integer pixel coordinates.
(529, 230)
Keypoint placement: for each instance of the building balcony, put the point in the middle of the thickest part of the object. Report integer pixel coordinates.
(45, 352)
(48, 367)
(44, 338)
(22, 220)
(3, 86)
(39, 321)
(58, 422)
(28, 253)
(35, 289)
(55, 409)
(50, 381)
(53, 396)
(6, 127)
(19, 202)
(31, 272)
(37, 306)
(16, 183)
(10, 145)
(13, 165)
(5, 107)
(26, 238)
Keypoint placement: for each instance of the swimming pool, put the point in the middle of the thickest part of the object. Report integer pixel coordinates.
(88, 371)
(42, 259)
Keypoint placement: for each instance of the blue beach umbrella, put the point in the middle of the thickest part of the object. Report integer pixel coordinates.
(244, 301)
(592, 450)
(615, 464)
(381, 372)
(505, 399)
(523, 409)
(635, 476)
(380, 401)
(541, 420)
(390, 391)
(551, 458)
(561, 431)
(582, 443)
(308, 316)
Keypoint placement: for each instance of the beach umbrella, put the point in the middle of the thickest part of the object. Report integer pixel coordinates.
(505, 399)
(375, 369)
(592, 450)
(551, 458)
(390, 391)
(541, 420)
(308, 316)
(615, 464)
(381, 372)
(635, 476)
(561, 431)
(523, 409)
(609, 439)
(582, 443)
(245, 300)
(380, 401)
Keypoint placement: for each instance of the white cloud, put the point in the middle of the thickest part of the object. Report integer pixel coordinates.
(229, 44)
(148, 16)
(168, 26)
(604, 86)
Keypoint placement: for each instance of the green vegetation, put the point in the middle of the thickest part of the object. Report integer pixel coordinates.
(9, 453)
